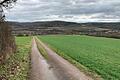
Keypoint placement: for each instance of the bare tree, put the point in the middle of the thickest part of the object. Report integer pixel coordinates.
(7, 42)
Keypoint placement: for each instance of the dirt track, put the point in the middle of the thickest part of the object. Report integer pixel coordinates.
(55, 68)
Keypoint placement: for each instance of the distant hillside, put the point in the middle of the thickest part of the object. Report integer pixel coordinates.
(65, 24)
(62, 27)
(44, 24)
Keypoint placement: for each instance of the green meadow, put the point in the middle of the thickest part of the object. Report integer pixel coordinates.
(97, 54)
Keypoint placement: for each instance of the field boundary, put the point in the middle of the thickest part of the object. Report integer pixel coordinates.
(17, 66)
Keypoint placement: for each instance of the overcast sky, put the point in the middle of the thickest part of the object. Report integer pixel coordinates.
(67, 10)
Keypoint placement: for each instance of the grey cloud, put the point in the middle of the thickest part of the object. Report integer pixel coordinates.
(31, 10)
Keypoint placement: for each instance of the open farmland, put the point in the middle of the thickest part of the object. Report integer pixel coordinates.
(98, 54)
(17, 66)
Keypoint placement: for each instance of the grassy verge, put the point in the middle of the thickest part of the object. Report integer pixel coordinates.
(41, 49)
(17, 66)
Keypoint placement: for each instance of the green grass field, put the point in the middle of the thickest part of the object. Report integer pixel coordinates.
(17, 66)
(98, 54)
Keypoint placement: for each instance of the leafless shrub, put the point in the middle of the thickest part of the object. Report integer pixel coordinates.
(7, 41)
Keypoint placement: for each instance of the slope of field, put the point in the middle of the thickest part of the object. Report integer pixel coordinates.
(16, 67)
(101, 55)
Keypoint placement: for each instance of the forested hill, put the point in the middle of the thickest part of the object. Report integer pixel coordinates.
(65, 24)
(62, 27)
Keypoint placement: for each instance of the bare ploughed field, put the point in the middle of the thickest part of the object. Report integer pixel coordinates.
(53, 68)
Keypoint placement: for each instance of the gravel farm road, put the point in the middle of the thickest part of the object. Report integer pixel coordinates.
(53, 68)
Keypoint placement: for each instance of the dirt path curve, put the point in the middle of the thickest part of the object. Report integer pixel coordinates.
(62, 69)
